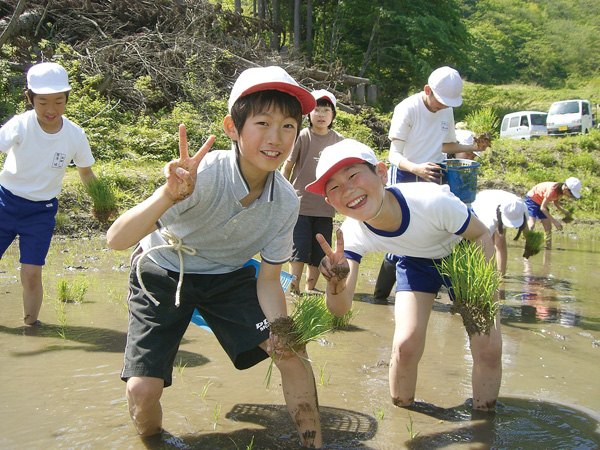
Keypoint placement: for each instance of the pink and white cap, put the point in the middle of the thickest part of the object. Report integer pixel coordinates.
(270, 78)
(322, 93)
(336, 157)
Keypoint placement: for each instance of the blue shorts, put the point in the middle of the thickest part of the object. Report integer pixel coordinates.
(419, 275)
(32, 221)
(404, 176)
(534, 209)
(228, 302)
(306, 248)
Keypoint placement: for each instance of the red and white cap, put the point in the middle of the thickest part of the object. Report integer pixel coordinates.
(48, 78)
(270, 78)
(322, 93)
(336, 157)
(446, 85)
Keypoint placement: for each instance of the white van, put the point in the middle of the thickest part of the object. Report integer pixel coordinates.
(569, 117)
(524, 125)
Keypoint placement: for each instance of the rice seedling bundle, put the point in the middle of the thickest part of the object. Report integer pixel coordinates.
(472, 282)
(484, 123)
(103, 198)
(534, 240)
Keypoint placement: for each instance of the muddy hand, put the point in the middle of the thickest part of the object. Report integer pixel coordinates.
(334, 265)
(181, 173)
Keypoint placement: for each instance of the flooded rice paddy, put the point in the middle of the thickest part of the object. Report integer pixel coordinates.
(60, 386)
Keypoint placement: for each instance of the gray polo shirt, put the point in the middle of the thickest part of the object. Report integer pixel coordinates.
(224, 233)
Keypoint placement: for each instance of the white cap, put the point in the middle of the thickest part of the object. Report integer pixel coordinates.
(322, 93)
(337, 156)
(446, 85)
(48, 78)
(513, 213)
(574, 186)
(267, 78)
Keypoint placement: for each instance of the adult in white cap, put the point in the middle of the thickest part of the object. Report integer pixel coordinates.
(215, 212)
(39, 145)
(498, 210)
(422, 135)
(539, 197)
(420, 222)
(316, 216)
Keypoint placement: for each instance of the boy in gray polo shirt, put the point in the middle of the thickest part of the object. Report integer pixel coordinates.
(215, 212)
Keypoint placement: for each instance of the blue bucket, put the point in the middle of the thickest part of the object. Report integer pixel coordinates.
(462, 178)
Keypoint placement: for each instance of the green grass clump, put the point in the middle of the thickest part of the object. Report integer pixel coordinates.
(534, 241)
(103, 197)
(71, 292)
(472, 283)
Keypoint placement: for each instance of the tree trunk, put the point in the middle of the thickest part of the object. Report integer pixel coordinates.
(296, 51)
(367, 58)
(275, 38)
(237, 6)
(309, 21)
(13, 21)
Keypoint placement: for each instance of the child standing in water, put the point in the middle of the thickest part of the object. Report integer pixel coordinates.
(420, 222)
(214, 213)
(39, 146)
(316, 216)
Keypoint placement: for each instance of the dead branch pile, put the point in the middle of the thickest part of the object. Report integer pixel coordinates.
(188, 51)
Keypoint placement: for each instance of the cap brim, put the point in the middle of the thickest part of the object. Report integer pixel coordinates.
(305, 98)
(451, 102)
(50, 90)
(318, 186)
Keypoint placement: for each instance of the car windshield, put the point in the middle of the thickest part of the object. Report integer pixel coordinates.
(538, 119)
(564, 108)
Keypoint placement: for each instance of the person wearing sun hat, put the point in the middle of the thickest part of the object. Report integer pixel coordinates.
(539, 197)
(498, 210)
(192, 239)
(316, 216)
(419, 222)
(422, 135)
(39, 145)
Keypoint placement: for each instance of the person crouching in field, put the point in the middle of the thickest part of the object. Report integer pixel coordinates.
(216, 211)
(421, 222)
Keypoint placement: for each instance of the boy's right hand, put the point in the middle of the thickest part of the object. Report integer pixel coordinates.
(334, 265)
(181, 173)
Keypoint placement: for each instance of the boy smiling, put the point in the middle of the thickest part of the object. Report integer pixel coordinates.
(215, 212)
(419, 221)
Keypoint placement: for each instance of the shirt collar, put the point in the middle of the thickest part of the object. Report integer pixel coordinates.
(241, 188)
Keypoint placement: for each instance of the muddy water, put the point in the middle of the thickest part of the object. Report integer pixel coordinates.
(60, 392)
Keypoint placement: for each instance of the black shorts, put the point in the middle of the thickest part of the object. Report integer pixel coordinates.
(228, 302)
(306, 248)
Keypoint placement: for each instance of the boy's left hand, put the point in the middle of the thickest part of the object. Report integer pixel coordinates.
(181, 173)
(334, 266)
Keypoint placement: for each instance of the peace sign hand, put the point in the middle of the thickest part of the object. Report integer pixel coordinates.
(181, 173)
(334, 265)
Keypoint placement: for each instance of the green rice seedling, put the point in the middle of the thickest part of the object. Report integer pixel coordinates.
(410, 428)
(380, 413)
(61, 316)
(103, 198)
(534, 240)
(309, 320)
(473, 283)
(205, 389)
(62, 291)
(217, 415)
(180, 368)
(323, 381)
(342, 323)
(568, 218)
(73, 291)
(484, 123)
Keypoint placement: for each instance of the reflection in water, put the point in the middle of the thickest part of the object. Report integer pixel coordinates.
(520, 424)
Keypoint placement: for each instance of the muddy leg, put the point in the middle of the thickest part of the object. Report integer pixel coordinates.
(143, 400)
(487, 368)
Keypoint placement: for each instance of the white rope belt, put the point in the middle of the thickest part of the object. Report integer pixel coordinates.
(176, 244)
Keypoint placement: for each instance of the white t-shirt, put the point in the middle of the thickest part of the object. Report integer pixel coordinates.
(36, 161)
(432, 219)
(423, 131)
(486, 203)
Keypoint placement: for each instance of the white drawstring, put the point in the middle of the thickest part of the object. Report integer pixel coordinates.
(174, 243)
